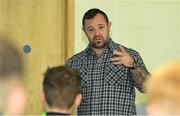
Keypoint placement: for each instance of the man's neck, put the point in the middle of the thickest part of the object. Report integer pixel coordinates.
(98, 51)
(66, 111)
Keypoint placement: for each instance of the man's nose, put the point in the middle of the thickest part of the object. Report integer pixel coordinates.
(96, 32)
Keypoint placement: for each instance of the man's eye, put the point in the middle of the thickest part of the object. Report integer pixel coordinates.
(90, 30)
(101, 27)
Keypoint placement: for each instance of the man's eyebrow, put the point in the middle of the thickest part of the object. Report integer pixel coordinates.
(89, 27)
(100, 24)
(97, 24)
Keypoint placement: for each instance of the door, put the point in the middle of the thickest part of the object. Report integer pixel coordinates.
(38, 29)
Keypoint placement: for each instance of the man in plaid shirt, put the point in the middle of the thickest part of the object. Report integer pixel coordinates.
(109, 71)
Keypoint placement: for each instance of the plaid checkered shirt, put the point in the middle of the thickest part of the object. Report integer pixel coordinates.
(107, 88)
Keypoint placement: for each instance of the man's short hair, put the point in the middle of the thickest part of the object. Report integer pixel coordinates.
(10, 59)
(92, 13)
(61, 85)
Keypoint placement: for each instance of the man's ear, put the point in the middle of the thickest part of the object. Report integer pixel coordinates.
(109, 25)
(78, 99)
(42, 97)
(83, 29)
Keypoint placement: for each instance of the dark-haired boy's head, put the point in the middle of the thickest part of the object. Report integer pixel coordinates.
(12, 92)
(61, 87)
(10, 59)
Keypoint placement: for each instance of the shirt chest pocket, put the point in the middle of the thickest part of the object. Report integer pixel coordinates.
(115, 74)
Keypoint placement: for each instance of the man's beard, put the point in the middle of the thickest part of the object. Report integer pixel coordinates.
(99, 44)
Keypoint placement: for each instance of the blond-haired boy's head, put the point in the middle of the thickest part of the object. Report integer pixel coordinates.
(163, 90)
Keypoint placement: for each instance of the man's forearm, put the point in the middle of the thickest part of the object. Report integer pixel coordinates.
(140, 74)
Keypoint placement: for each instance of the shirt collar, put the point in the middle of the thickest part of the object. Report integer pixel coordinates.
(57, 114)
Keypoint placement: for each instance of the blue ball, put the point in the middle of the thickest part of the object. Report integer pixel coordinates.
(27, 49)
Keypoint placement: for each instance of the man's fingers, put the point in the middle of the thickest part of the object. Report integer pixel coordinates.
(115, 52)
(118, 62)
(116, 59)
(122, 49)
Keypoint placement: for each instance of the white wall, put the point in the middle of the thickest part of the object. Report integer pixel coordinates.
(152, 27)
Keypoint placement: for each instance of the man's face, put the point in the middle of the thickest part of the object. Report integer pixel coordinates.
(97, 31)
